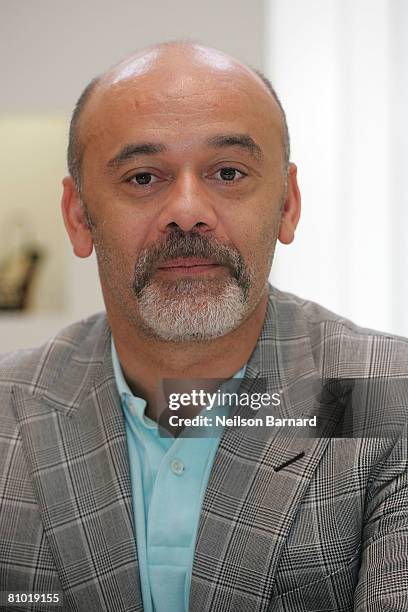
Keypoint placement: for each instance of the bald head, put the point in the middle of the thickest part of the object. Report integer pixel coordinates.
(181, 65)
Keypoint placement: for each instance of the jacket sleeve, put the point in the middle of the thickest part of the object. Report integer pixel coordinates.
(383, 576)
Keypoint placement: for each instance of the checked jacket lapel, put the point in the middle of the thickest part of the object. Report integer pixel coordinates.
(75, 444)
(249, 507)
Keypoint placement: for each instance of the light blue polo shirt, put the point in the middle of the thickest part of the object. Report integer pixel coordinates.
(169, 477)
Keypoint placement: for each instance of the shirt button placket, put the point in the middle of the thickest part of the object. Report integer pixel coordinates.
(177, 467)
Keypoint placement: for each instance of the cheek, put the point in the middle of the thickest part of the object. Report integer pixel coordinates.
(260, 256)
(123, 230)
(116, 254)
(258, 237)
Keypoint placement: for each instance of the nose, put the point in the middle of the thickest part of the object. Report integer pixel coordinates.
(188, 205)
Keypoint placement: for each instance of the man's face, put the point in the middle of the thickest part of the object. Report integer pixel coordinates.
(183, 181)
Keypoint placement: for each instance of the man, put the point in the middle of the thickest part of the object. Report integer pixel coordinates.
(180, 178)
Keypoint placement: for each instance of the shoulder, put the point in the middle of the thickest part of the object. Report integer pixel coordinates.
(32, 368)
(340, 347)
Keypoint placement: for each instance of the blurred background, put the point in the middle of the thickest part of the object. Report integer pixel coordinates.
(341, 70)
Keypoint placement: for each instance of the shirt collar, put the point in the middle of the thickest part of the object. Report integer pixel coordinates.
(126, 393)
(123, 387)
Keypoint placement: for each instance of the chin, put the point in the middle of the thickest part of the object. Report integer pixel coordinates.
(191, 311)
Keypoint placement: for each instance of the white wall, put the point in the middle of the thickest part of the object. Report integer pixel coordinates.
(341, 70)
(49, 51)
(399, 159)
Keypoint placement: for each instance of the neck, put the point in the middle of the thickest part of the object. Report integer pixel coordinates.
(146, 362)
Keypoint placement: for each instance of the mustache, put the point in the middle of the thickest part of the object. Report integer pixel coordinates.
(179, 244)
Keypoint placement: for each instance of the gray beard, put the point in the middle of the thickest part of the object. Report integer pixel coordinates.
(191, 309)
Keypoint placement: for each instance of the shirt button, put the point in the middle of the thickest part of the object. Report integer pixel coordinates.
(177, 467)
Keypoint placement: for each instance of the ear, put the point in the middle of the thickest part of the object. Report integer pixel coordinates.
(75, 219)
(290, 209)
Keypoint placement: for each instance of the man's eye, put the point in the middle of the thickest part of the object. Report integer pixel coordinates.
(143, 178)
(229, 174)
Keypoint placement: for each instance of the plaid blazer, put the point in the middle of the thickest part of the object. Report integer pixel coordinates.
(288, 523)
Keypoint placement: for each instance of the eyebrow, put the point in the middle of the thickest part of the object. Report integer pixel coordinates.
(134, 150)
(244, 141)
(220, 141)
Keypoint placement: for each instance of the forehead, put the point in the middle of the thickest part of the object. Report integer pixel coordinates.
(178, 105)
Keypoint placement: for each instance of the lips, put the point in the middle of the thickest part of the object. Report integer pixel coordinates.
(188, 262)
